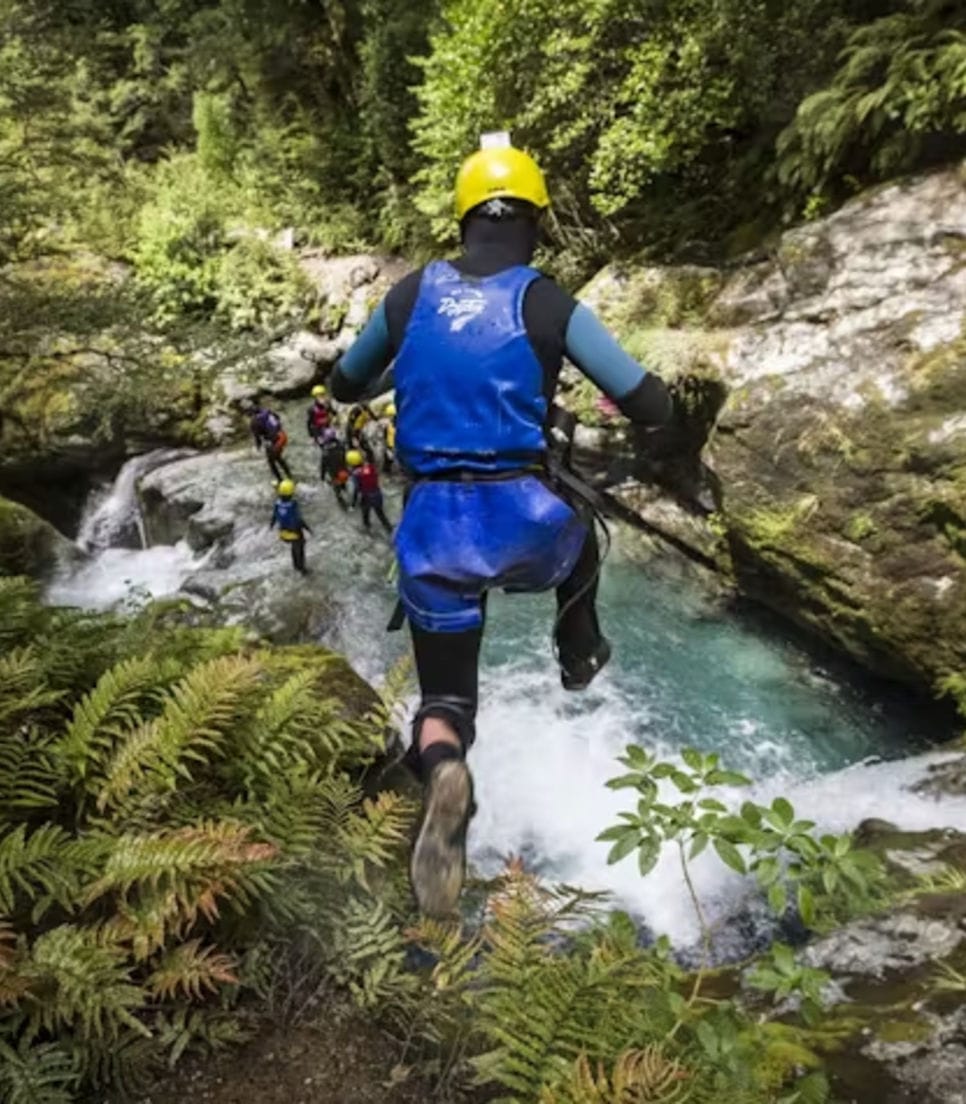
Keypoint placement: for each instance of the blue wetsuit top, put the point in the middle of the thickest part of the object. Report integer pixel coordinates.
(556, 326)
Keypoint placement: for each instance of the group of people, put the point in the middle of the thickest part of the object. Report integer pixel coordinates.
(350, 456)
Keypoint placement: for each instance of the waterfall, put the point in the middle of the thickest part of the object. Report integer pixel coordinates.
(112, 516)
(119, 565)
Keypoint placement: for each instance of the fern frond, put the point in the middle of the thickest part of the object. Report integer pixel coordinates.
(191, 971)
(111, 709)
(30, 778)
(42, 1073)
(21, 612)
(81, 982)
(370, 954)
(198, 716)
(372, 837)
(23, 686)
(196, 1029)
(38, 869)
(127, 1065)
(639, 1077)
(454, 952)
(13, 984)
(287, 735)
(193, 867)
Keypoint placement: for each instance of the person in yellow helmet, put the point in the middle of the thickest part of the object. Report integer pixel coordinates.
(320, 414)
(477, 344)
(291, 525)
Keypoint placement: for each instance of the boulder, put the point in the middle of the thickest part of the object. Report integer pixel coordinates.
(28, 544)
(819, 439)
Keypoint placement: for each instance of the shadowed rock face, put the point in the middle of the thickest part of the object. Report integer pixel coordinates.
(28, 544)
(822, 408)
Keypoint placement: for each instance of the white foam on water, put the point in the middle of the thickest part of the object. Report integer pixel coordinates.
(541, 764)
(115, 575)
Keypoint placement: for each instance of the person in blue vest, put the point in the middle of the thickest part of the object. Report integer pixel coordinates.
(291, 525)
(478, 344)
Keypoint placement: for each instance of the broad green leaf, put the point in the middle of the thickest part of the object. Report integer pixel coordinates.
(783, 810)
(693, 759)
(698, 844)
(778, 899)
(648, 853)
(623, 847)
(730, 855)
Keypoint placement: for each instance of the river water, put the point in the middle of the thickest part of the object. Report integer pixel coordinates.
(684, 673)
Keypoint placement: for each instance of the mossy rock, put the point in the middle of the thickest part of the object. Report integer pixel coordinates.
(28, 544)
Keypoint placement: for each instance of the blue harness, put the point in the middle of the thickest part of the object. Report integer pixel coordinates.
(471, 414)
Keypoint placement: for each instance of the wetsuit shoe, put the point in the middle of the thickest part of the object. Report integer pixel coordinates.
(439, 857)
(578, 674)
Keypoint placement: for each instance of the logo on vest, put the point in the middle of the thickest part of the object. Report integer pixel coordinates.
(467, 304)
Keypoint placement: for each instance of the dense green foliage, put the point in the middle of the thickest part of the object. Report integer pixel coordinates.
(670, 125)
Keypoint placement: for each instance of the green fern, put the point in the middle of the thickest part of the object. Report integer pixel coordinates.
(369, 955)
(39, 1073)
(23, 688)
(192, 868)
(20, 610)
(199, 714)
(39, 869)
(194, 1029)
(109, 711)
(191, 970)
(639, 1077)
(81, 981)
(30, 778)
(372, 837)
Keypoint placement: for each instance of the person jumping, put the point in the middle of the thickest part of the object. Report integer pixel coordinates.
(478, 344)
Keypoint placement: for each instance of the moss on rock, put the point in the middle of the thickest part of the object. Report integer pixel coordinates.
(28, 544)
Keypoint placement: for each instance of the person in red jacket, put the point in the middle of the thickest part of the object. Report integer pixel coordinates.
(368, 494)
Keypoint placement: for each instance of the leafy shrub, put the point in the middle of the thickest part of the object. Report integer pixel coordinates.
(259, 285)
(181, 236)
(897, 99)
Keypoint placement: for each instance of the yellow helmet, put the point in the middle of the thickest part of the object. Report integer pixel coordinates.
(389, 410)
(319, 392)
(353, 458)
(503, 172)
(286, 488)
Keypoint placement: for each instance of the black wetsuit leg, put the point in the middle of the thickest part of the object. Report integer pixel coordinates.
(578, 630)
(298, 555)
(366, 506)
(447, 666)
(380, 512)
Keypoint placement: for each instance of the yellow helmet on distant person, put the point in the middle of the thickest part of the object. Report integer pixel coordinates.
(353, 458)
(499, 173)
(286, 488)
(319, 391)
